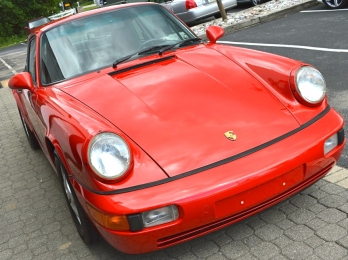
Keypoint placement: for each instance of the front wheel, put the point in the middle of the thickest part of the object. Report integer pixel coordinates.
(335, 4)
(34, 144)
(84, 226)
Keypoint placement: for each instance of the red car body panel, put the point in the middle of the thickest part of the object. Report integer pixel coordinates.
(190, 116)
(70, 134)
(173, 110)
(273, 72)
(225, 194)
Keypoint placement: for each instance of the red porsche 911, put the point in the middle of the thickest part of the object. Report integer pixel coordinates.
(159, 137)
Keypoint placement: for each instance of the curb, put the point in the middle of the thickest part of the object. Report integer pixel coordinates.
(265, 18)
(285, 12)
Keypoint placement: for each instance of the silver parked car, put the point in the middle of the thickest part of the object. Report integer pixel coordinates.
(335, 4)
(193, 10)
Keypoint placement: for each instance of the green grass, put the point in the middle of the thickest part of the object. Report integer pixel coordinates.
(11, 41)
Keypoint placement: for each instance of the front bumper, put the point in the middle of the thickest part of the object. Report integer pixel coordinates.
(223, 195)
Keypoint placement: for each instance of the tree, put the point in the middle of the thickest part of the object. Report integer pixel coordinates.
(10, 16)
(222, 10)
(15, 14)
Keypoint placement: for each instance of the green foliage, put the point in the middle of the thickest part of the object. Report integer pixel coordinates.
(73, 3)
(16, 13)
(9, 17)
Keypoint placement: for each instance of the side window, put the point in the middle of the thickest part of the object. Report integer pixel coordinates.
(49, 68)
(31, 59)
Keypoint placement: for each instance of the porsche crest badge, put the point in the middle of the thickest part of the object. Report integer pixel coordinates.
(230, 135)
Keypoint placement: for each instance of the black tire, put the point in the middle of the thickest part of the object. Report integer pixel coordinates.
(84, 226)
(331, 4)
(217, 16)
(34, 144)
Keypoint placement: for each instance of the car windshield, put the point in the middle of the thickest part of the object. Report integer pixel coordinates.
(97, 41)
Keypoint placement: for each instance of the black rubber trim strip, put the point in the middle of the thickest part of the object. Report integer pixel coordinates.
(135, 222)
(340, 137)
(213, 165)
(140, 65)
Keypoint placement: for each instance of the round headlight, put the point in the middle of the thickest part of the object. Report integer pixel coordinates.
(310, 84)
(109, 156)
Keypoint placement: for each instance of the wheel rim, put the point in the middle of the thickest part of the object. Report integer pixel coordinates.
(24, 125)
(70, 196)
(255, 2)
(334, 3)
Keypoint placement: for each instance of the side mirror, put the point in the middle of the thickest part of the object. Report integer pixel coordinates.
(214, 33)
(21, 81)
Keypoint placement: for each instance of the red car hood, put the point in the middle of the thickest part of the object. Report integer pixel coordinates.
(178, 108)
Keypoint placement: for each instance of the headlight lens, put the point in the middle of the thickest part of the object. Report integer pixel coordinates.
(310, 84)
(330, 143)
(109, 156)
(160, 216)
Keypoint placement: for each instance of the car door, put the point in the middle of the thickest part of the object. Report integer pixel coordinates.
(28, 98)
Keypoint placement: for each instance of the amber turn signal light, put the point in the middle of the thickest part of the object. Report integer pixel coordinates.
(113, 222)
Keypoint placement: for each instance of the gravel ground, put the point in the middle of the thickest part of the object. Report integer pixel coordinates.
(254, 13)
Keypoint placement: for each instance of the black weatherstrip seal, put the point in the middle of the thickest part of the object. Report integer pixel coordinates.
(216, 164)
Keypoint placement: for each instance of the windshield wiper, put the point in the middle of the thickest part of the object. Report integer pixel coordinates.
(118, 61)
(162, 48)
(180, 44)
(147, 50)
(152, 48)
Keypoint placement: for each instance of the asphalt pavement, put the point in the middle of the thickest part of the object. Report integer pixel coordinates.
(12, 61)
(316, 37)
(35, 222)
